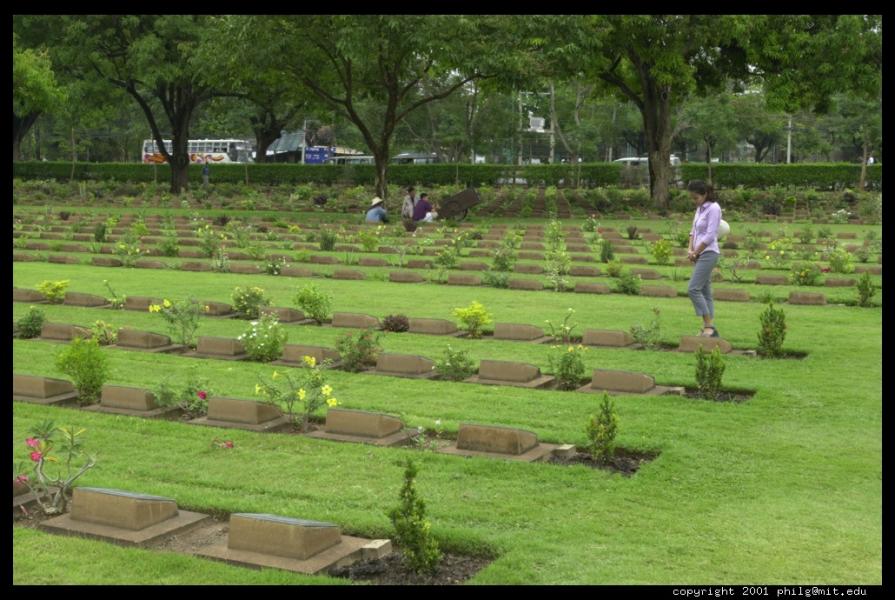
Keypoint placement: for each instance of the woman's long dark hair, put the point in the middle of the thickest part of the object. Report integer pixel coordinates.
(703, 189)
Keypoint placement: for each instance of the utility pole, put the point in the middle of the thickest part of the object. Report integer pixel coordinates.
(520, 128)
(789, 140)
(552, 126)
(304, 139)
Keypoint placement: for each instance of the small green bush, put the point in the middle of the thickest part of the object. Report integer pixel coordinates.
(662, 252)
(314, 302)
(601, 430)
(772, 332)
(473, 318)
(327, 240)
(360, 352)
(567, 365)
(628, 284)
(87, 366)
(805, 274)
(866, 290)
(614, 268)
(30, 325)
(264, 339)
(454, 365)
(413, 532)
(648, 337)
(709, 370)
(248, 301)
(496, 279)
(54, 291)
(103, 333)
(396, 323)
(841, 261)
(606, 252)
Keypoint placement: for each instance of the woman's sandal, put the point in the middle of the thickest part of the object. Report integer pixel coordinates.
(714, 332)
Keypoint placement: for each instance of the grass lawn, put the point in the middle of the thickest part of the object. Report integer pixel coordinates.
(783, 488)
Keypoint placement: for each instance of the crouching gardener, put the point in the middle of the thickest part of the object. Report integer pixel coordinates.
(377, 213)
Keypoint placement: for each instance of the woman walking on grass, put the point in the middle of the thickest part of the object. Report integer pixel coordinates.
(704, 253)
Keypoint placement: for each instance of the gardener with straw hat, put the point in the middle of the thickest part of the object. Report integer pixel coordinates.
(377, 213)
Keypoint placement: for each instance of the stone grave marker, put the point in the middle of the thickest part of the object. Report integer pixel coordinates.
(63, 259)
(195, 266)
(839, 282)
(369, 261)
(578, 271)
(582, 287)
(346, 425)
(216, 309)
(27, 295)
(296, 272)
(461, 279)
(63, 332)
(354, 320)
(219, 347)
(140, 303)
(123, 400)
(302, 546)
(528, 268)
(646, 273)
(248, 268)
(106, 261)
(242, 414)
(531, 255)
(286, 314)
(147, 341)
(42, 390)
(495, 441)
(405, 365)
(659, 291)
(635, 260)
(503, 372)
(524, 284)
(419, 264)
(293, 354)
(433, 326)
(690, 343)
(348, 274)
(122, 517)
(150, 264)
(405, 277)
(79, 299)
(606, 337)
(519, 331)
(472, 266)
(730, 295)
(323, 259)
(807, 298)
(771, 280)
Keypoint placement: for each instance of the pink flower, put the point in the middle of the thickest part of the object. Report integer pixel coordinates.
(36, 456)
(21, 478)
(33, 442)
(202, 394)
(228, 444)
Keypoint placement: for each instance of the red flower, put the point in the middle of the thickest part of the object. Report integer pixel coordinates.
(33, 442)
(36, 456)
(21, 478)
(228, 444)
(202, 394)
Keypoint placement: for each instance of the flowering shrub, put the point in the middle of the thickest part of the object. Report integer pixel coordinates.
(473, 318)
(264, 339)
(563, 333)
(567, 364)
(369, 238)
(454, 365)
(840, 260)
(52, 476)
(275, 266)
(628, 283)
(182, 318)
(779, 252)
(840, 216)
(590, 223)
(54, 291)
(503, 259)
(805, 274)
(307, 387)
(87, 365)
(614, 268)
(662, 252)
(30, 325)
(601, 430)
(115, 300)
(314, 303)
(103, 333)
(248, 301)
(127, 249)
(209, 240)
(359, 353)
(169, 246)
(648, 337)
(191, 396)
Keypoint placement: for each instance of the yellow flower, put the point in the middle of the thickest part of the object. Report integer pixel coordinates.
(257, 388)
(332, 402)
(154, 308)
(166, 303)
(207, 308)
(571, 349)
(310, 361)
(275, 376)
(302, 394)
(327, 390)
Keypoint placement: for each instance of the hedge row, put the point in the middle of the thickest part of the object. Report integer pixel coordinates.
(825, 175)
(819, 175)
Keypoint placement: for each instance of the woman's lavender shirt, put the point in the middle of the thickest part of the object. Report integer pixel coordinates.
(705, 226)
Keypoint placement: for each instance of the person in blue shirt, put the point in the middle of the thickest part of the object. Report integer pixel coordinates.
(377, 213)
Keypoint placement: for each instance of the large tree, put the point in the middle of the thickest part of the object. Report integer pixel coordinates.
(397, 63)
(35, 91)
(150, 57)
(756, 124)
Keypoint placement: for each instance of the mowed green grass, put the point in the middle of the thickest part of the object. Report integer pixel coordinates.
(785, 487)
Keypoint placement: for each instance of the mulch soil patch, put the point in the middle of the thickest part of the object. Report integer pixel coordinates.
(624, 461)
(391, 570)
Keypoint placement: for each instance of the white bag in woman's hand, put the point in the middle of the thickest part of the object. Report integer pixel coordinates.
(723, 229)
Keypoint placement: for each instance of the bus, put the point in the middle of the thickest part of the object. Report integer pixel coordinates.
(219, 151)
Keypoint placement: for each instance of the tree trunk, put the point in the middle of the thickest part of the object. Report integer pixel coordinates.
(381, 160)
(263, 140)
(657, 129)
(865, 153)
(20, 128)
(708, 161)
(180, 158)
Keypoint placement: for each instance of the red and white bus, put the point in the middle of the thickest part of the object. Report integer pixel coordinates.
(215, 151)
